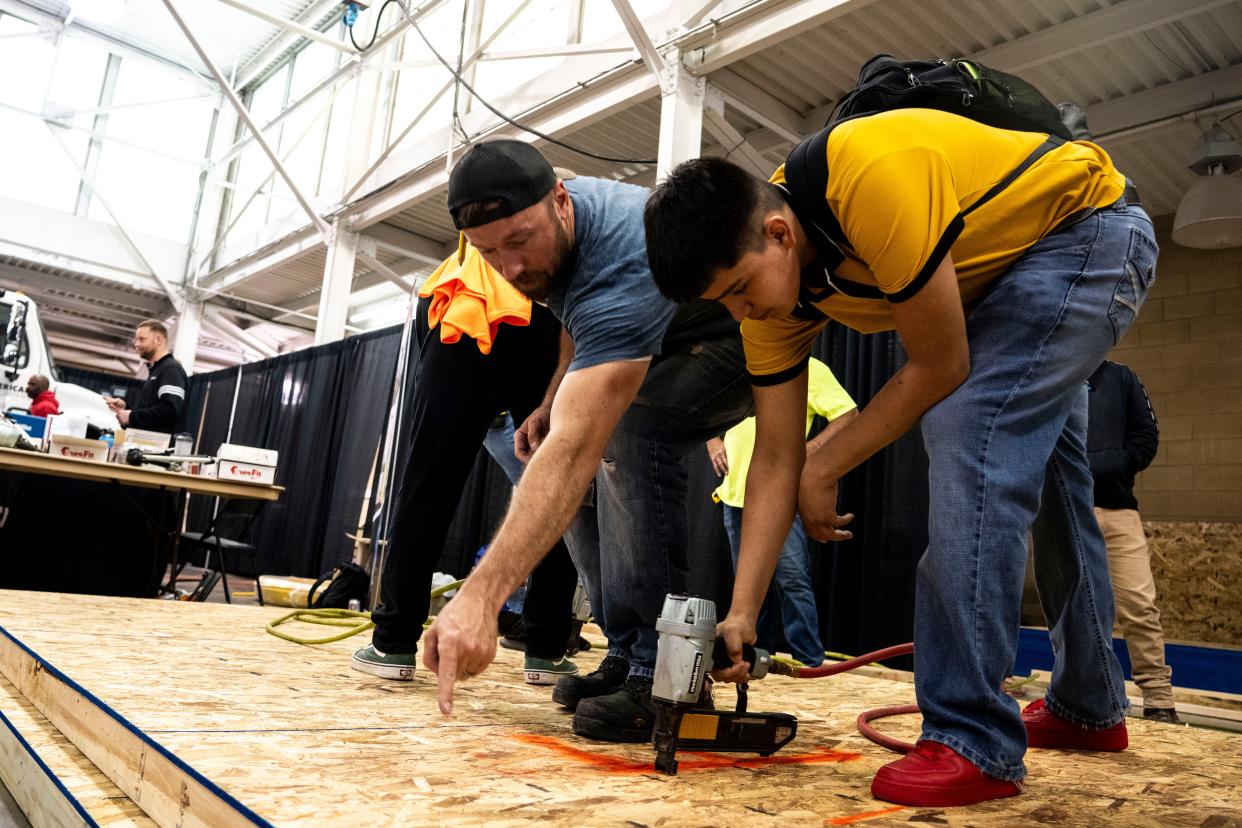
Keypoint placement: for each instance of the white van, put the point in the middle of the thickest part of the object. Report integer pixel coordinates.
(24, 352)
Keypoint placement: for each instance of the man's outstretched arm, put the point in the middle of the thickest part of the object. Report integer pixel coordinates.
(588, 406)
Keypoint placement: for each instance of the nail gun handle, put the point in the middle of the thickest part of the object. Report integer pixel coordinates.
(721, 659)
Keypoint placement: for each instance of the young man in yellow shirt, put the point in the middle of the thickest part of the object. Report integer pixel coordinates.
(1006, 299)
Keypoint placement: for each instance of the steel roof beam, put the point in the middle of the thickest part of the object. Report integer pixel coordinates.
(281, 43)
(1218, 90)
(758, 105)
(1098, 27)
(419, 248)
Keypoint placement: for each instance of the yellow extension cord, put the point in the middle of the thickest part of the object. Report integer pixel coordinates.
(354, 621)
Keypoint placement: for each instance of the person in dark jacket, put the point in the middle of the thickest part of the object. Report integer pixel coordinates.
(42, 401)
(162, 397)
(1122, 437)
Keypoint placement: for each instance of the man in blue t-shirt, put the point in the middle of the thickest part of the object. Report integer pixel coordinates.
(645, 384)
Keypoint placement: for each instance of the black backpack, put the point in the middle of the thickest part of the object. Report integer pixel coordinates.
(958, 86)
(884, 83)
(344, 582)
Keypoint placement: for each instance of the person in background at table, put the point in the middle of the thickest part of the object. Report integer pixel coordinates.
(162, 396)
(43, 401)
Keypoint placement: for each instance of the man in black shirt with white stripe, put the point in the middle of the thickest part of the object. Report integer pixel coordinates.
(162, 397)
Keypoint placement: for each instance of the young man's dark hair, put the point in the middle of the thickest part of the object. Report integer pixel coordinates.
(716, 204)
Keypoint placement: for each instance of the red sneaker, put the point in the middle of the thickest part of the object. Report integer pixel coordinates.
(1045, 729)
(936, 776)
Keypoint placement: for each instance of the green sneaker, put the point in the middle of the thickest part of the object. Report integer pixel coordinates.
(543, 671)
(399, 667)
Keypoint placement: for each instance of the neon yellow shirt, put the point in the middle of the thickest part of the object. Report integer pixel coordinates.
(825, 397)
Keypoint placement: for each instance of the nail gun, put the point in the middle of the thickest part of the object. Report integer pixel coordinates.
(688, 650)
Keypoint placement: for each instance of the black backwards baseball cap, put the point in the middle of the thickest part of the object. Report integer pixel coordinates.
(512, 173)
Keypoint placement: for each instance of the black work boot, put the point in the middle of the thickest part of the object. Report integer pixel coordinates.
(607, 678)
(1168, 715)
(624, 716)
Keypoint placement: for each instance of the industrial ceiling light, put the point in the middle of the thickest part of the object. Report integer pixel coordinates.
(98, 11)
(1210, 215)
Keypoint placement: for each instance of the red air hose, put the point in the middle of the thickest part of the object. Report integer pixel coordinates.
(864, 720)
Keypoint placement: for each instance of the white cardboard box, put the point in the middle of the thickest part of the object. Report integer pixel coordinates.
(153, 441)
(247, 454)
(63, 445)
(245, 472)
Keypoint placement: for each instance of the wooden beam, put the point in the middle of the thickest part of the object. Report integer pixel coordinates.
(171, 792)
(34, 787)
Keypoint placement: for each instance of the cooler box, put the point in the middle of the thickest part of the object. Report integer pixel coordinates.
(246, 464)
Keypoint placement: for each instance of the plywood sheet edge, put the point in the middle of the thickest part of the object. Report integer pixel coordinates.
(40, 794)
(171, 792)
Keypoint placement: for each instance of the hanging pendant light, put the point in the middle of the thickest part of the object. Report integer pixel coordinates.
(1210, 215)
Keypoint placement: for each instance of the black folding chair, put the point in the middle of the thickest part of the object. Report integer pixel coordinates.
(228, 532)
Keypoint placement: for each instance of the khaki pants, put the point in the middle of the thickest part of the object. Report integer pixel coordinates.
(1135, 591)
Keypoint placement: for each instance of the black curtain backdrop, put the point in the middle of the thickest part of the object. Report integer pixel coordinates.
(865, 586)
(323, 409)
(486, 497)
(99, 381)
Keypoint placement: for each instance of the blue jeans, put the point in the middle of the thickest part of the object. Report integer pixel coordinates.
(499, 444)
(1007, 454)
(636, 552)
(789, 606)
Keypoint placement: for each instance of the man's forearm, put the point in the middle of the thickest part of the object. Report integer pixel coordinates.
(900, 404)
(771, 498)
(834, 427)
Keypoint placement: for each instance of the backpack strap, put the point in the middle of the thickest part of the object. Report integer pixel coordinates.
(1050, 143)
(806, 182)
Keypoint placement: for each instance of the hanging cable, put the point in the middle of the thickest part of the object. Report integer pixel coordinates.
(497, 112)
(351, 16)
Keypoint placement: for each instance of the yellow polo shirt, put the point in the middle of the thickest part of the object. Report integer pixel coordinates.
(898, 183)
(824, 396)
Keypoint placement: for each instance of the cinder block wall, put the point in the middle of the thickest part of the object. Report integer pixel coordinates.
(1187, 347)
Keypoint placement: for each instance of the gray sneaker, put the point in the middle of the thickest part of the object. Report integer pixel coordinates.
(399, 667)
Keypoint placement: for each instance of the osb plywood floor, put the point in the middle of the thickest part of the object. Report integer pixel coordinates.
(1197, 567)
(299, 737)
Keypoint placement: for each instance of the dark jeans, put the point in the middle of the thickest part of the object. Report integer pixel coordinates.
(457, 393)
(639, 552)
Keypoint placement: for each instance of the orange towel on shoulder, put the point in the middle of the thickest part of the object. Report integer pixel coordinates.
(469, 298)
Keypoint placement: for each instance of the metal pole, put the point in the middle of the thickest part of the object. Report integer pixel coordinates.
(388, 470)
(642, 40)
(304, 31)
(324, 229)
(341, 72)
(167, 287)
(237, 214)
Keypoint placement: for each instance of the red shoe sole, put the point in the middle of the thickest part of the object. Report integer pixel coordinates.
(972, 794)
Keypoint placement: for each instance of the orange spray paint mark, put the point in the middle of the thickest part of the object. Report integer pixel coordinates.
(704, 761)
(863, 817)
